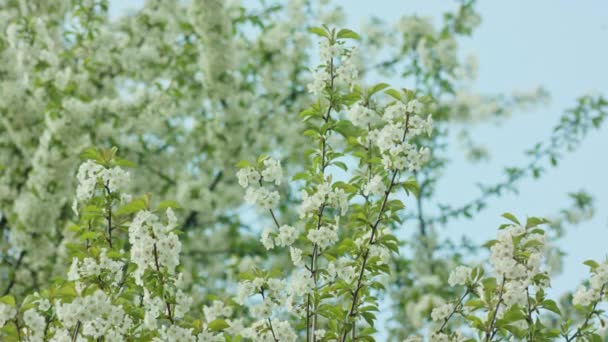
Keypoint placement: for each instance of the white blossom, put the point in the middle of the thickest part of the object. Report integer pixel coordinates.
(296, 256)
(272, 171)
(7, 313)
(584, 296)
(442, 312)
(267, 237)
(375, 186)
(459, 276)
(287, 235)
(360, 115)
(324, 237)
(262, 197)
(248, 176)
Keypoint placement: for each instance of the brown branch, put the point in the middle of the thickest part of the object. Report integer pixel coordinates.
(169, 314)
(75, 335)
(491, 331)
(11, 283)
(447, 319)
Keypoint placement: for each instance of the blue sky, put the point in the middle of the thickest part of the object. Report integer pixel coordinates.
(559, 44)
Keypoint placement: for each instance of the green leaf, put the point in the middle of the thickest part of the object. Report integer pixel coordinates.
(340, 165)
(348, 34)
(532, 222)
(91, 153)
(596, 338)
(300, 175)
(475, 303)
(9, 300)
(411, 185)
(311, 133)
(511, 218)
(376, 88)
(512, 315)
(394, 94)
(168, 204)
(490, 243)
(319, 31)
(369, 317)
(592, 264)
(123, 162)
(67, 292)
(140, 203)
(217, 325)
(550, 305)
(243, 164)
(89, 235)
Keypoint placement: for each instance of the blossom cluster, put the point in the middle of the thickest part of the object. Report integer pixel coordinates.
(584, 295)
(253, 181)
(90, 173)
(324, 194)
(509, 303)
(338, 63)
(153, 244)
(402, 120)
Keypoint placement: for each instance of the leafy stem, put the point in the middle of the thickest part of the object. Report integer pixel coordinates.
(491, 331)
(456, 308)
(579, 330)
(374, 227)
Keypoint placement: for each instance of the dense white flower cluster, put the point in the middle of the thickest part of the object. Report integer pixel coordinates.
(216, 310)
(272, 171)
(320, 78)
(285, 236)
(503, 253)
(459, 276)
(393, 138)
(7, 313)
(262, 197)
(442, 312)
(36, 324)
(301, 283)
(324, 195)
(347, 72)
(518, 275)
(596, 291)
(382, 253)
(336, 60)
(375, 186)
(296, 256)
(284, 332)
(153, 244)
(90, 267)
(97, 315)
(276, 296)
(247, 176)
(252, 180)
(324, 237)
(360, 115)
(342, 268)
(328, 51)
(89, 173)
